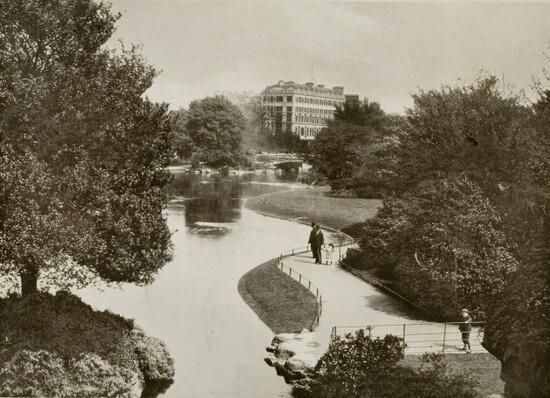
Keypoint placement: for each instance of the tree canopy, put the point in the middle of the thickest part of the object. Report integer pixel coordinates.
(342, 151)
(83, 179)
(212, 132)
(465, 218)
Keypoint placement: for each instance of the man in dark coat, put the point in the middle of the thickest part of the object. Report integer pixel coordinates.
(311, 240)
(316, 239)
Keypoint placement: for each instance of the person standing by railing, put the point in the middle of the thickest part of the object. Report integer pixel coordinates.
(465, 328)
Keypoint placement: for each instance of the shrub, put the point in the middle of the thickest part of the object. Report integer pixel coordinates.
(33, 374)
(361, 366)
(444, 245)
(75, 349)
(351, 364)
(354, 230)
(155, 362)
(45, 374)
(62, 324)
(92, 376)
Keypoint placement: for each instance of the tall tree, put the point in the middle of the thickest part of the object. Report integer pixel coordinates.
(82, 180)
(518, 327)
(475, 130)
(342, 149)
(214, 128)
(256, 135)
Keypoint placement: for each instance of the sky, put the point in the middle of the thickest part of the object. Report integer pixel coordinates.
(383, 51)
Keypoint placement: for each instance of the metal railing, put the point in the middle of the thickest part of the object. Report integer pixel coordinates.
(343, 241)
(422, 337)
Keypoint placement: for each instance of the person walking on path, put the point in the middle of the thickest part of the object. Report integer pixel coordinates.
(465, 328)
(318, 242)
(311, 240)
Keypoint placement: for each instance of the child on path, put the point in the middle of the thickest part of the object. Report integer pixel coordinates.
(329, 252)
(465, 328)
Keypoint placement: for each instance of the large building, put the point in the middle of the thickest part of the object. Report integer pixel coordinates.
(302, 109)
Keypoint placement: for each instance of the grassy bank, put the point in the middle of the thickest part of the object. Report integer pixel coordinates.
(283, 304)
(76, 351)
(314, 205)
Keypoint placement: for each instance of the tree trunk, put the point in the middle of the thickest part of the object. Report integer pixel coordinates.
(29, 282)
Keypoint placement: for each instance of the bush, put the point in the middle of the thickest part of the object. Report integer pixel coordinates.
(34, 374)
(44, 374)
(92, 376)
(352, 364)
(155, 362)
(443, 245)
(76, 349)
(354, 230)
(361, 366)
(65, 325)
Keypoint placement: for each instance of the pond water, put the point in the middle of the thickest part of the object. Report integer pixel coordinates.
(217, 342)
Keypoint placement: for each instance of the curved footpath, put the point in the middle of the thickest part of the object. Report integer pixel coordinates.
(349, 303)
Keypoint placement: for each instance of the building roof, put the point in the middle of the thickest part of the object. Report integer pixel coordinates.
(311, 88)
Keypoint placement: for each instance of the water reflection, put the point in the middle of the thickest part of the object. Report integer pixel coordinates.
(212, 204)
(217, 342)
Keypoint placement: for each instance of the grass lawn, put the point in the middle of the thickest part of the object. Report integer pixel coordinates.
(283, 304)
(485, 367)
(312, 204)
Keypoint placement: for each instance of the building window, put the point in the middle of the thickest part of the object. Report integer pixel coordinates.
(289, 98)
(279, 99)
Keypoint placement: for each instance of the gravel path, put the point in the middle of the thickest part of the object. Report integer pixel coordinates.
(349, 301)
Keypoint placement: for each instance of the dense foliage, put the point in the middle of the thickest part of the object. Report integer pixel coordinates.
(443, 245)
(465, 218)
(518, 327)
(341, 152)
(76, 351)
(466, 178)
(45, 374)
(82, 172)
(210, 132)
(361, 366)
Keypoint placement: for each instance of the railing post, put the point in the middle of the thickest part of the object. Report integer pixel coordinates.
(293, 252)
(309, 285)
(403, 336)
(300, 278)
(320, 305)
(290, 272)
(317, 295)
(444, 335)
(282, 265)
